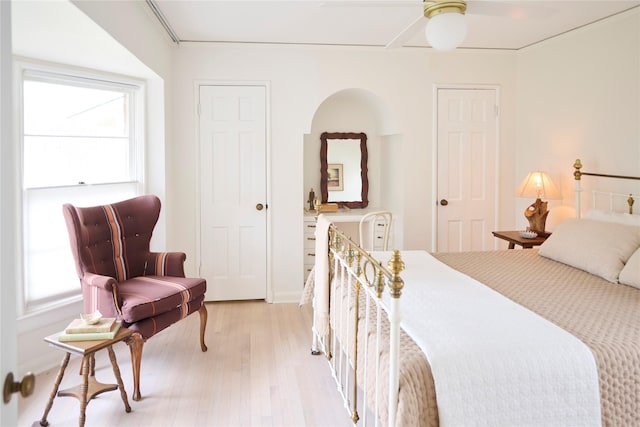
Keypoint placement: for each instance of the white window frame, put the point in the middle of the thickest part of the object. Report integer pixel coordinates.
(81, 194)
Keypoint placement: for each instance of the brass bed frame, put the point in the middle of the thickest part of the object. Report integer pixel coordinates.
(578, 173)
(367, 276)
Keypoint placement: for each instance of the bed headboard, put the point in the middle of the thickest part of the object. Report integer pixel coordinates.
(611, 198)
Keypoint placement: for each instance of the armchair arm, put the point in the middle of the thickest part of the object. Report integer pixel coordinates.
(101, 293)
(104, 282)
(165, 264)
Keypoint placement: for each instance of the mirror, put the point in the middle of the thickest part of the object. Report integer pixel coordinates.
(343, 169)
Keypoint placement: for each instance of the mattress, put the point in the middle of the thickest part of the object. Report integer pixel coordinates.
(605, 316)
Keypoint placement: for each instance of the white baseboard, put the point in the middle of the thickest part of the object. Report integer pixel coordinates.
(287, 297)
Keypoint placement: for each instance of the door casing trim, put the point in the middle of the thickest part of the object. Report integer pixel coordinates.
(267, 85)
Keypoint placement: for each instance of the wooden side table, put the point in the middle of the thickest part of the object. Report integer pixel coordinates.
(90, 387)
(514, 238)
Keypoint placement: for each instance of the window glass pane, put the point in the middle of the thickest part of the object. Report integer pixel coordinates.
(56, 161)
(49, 265)
(57, 109)
(75, 134)
(49, 262)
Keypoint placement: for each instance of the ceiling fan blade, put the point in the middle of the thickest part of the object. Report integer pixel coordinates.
(511, 9)
(522, 9)
(371, 3)
(406, 34)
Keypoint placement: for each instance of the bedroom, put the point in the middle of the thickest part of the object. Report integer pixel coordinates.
(574, 96)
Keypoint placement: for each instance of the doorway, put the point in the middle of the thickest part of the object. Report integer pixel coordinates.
(467, 168)
(233, 191)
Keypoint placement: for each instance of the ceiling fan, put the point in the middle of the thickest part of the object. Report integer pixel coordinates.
(445, 20)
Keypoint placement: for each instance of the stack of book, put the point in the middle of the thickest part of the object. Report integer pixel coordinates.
(78, 330)
(328, 207)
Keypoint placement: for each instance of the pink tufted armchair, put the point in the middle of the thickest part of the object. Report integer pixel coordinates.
(119, 275)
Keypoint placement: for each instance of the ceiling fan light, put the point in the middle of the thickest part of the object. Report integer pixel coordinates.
(446, 31)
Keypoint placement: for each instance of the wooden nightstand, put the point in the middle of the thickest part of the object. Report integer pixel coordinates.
(514, 238)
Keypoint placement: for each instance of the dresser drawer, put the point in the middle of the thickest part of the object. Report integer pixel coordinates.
(309, 257)
(378, 235)
(309, 245)
(378, 241)
(307, 270)
(309, 241)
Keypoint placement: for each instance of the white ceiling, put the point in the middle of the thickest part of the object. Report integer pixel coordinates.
(491, 24)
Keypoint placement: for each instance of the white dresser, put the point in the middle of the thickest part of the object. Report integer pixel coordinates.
(348, 221)
(309, 243)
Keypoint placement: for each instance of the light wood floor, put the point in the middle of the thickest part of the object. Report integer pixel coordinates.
(258, 372)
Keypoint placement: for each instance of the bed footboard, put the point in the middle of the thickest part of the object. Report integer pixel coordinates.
(357, 308)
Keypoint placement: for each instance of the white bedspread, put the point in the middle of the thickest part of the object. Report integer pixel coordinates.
(494, 362)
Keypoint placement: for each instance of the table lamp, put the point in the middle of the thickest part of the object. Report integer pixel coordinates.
(539, 185)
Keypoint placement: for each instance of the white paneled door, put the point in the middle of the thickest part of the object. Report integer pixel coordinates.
(233, 197)
(467, 168)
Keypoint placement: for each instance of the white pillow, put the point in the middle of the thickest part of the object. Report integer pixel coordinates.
(630, 274)
(598, 247)
(620, 218)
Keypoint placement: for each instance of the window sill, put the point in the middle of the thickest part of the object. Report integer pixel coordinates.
(48, 313)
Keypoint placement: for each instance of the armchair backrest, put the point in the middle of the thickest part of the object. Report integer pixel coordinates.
(112, 240)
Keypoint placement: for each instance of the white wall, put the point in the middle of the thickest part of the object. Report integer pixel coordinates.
(301, 78)
(579, 97)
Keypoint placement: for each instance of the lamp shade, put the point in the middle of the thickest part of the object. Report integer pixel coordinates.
(539, 185)
(446, 31)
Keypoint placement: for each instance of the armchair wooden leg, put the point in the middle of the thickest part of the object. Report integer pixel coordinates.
(135, 344)
(203, 325)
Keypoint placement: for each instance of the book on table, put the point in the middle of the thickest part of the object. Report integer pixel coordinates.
(90, 336)
(79, 326)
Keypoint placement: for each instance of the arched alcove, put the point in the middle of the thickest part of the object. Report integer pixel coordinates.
(359, 110)
(361, 100)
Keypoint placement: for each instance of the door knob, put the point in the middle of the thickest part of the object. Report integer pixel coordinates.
(444, 202)
(25, 387)
(259, 206)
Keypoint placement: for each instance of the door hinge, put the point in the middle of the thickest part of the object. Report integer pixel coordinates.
(496, 109)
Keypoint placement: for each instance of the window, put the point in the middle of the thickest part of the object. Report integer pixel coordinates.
(80, 145)
(75, 135)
